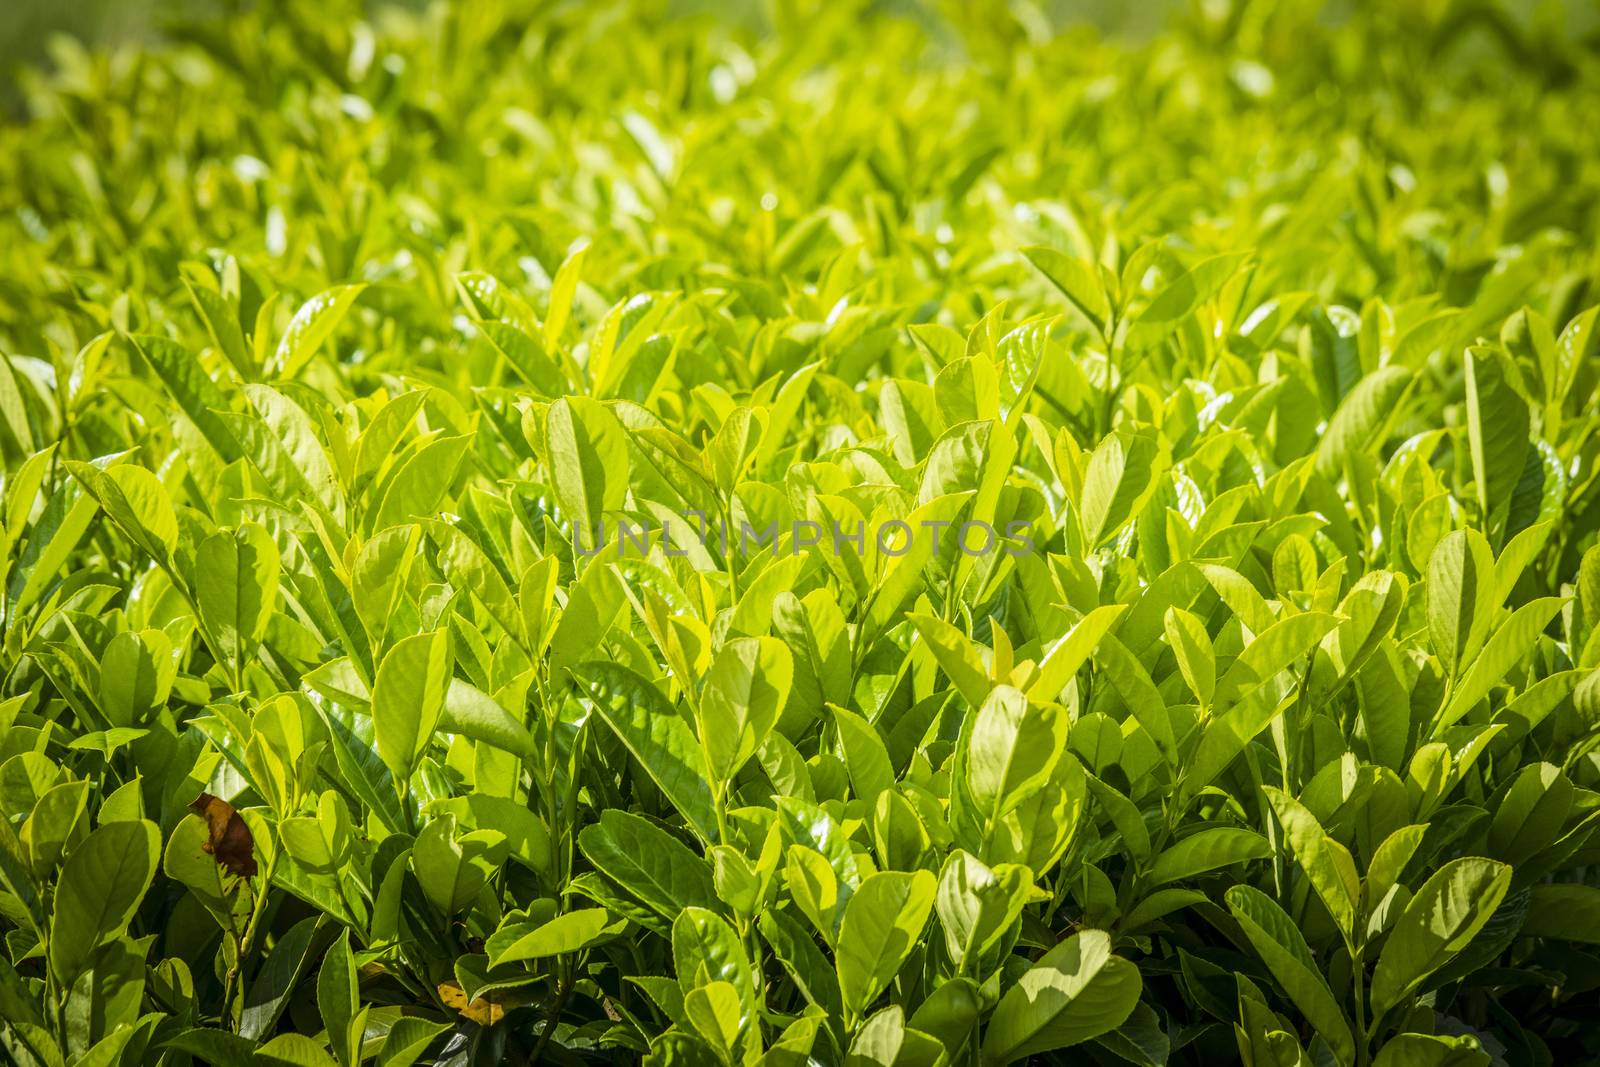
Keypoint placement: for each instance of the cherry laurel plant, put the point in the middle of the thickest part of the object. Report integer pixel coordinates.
(875, 534)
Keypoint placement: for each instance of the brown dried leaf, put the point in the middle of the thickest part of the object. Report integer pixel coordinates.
(227, 837)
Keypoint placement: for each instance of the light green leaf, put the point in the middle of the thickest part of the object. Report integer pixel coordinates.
(1013, 748)
(1077, 280)
(1192, 647)
(1072, 651)
(1497, 431)
(1428, 1050)
(588, 463)
(1461, 588)
(408, 699)
(313, 324)
(470, 712)
(1359, 424)
(236, 579)
(745, 689)
(882, 924)
(1121, 476)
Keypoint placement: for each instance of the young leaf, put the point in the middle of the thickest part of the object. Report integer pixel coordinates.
(408, 698)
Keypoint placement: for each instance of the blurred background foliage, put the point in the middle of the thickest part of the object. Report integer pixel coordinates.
(28, 26)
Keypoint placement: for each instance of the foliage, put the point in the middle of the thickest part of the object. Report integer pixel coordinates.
(1263, 729)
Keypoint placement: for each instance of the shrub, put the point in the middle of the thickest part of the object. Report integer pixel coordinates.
(816, 534)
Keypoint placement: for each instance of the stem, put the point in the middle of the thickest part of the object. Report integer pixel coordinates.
(1357, 971)
(246, 942)
(1267, 821)
(563, 991)
(720, 796)
(1113, 366)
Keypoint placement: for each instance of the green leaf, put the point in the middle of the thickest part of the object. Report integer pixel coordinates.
(797, 950)
(1072, 651)
(236, 585)
(1077, 280)
(1565, 911)
(1428, 1050)
(313, 324)
(186, 862)
(407, 1040)
(562, 290)
(527, 838)
(222, 323)
(292, 1050)
(136, 675)
(416, 488)
(1328, 864)
(101, 886)
(1389, 862)
(1510, 645)
(746, 688)
(1192, 647)
(1207, 850)
(1460, 597)
(1125, 816)
(408, 699)
(865, 756)
(1359, 425)
(1121, 476)
(977, 906)
(139, 503)
(1013, 748)
(882, 924)
(1132, 682)
(471, 712)
(1441, 919)
(713, 1009)
(200, 398)
(13, 409)
(658, 738)
(527, 356)
(1497, 431)
(1273, 650)
(957, 655)
(268, 992)
(588, 463)
(1282, 947)
(1158, 905)
(452, 867)
(309, 467)
(339, 1001)
(649, 863)
(574, 931)
(1076, 991)
(706, 949)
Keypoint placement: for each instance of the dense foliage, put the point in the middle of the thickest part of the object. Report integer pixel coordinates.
(1170, 630)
